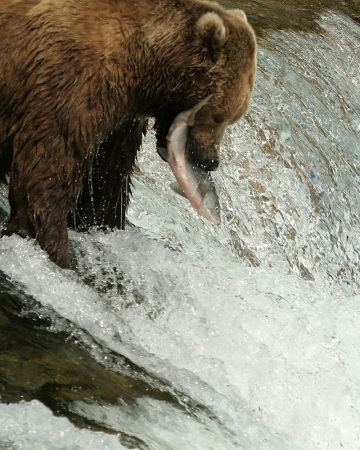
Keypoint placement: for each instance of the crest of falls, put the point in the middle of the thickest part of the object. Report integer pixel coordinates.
(254, 326)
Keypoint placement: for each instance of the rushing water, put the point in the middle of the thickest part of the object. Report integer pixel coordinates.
(249, 333)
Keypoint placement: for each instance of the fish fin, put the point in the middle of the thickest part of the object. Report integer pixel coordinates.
(164, 153)
(205, 181)
(196, 108)
(204, 186)
(175, 186)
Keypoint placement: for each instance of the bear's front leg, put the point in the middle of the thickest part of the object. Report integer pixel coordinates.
(39, 200)
(105, 193)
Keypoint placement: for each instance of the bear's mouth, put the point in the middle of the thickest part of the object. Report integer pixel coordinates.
(204, 155)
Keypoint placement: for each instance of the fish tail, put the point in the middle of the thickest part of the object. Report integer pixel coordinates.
(197, 108)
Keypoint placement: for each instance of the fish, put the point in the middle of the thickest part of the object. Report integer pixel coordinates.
(192, 182)
(210, 205)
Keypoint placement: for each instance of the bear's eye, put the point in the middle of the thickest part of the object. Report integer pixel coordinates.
(218, 119)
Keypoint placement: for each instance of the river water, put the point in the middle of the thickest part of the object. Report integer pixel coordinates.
(249, 333)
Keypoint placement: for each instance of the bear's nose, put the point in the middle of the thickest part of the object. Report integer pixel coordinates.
(210, 164)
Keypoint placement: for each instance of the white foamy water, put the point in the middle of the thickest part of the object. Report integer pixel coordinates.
(30, 425)
(257, 321)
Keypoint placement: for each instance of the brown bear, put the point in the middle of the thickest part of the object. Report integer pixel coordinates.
(79, 80)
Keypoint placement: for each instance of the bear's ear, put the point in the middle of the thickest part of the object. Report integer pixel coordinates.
(239, 12)
(211, 29)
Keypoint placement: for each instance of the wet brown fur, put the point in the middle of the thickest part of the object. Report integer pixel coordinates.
(79, 80)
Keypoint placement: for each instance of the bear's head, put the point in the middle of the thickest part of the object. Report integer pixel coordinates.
(210, 51)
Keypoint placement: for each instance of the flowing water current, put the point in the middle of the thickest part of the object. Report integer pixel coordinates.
(253, 328)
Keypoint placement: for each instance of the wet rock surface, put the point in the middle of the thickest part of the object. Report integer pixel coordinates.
(57, 369)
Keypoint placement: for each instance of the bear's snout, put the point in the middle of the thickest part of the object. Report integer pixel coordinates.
(203, 149)
(209, 164)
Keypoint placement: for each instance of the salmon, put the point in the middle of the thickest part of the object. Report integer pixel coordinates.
(192, 182)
